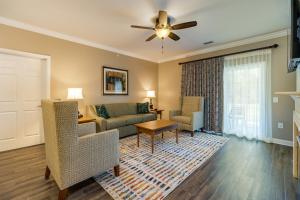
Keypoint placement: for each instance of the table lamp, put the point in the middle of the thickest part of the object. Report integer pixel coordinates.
(151, 95)
(75, 94)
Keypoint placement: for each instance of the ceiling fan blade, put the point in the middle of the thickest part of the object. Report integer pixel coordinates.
(184, 25)
(151, 37)
(173, 36)
(162, 18)
(142, 27)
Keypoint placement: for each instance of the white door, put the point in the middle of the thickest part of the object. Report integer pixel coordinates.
(22, 86)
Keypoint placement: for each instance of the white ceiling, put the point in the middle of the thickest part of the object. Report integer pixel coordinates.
(107, 22)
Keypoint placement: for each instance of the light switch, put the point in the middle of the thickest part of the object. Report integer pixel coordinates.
(280, 125)
(275, 99)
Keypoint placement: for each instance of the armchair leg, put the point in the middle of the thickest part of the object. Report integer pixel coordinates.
(117, 170)
(47, 173)
(192, 133)
(62, 195)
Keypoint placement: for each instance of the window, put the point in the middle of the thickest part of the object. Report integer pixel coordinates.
(247, 95)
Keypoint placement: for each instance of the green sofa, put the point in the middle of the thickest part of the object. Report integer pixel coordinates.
(123, 116)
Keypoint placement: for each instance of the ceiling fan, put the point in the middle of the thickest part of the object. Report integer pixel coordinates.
(163, 28)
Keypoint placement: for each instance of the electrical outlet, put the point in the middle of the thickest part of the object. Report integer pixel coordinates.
(280, 125)
(275, 99)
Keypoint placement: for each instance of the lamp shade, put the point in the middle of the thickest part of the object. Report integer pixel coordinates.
(151, 93)
(75, 93)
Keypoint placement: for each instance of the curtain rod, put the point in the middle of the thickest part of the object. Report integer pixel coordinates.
(230, 54)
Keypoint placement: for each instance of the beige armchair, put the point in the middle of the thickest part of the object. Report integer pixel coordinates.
(75, 152)
(190, 116)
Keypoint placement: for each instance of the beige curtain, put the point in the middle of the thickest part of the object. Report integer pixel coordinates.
(205, 78)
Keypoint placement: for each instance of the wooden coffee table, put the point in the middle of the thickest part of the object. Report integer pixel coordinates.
(156, 127)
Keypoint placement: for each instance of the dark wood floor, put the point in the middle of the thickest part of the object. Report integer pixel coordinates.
(241, 170)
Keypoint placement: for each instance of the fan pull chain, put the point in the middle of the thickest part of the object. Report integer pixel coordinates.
(162, 46)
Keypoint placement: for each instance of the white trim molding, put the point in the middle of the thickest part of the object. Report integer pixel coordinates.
(282, 142)
(246, 41)
(28, 27)
(24, 54)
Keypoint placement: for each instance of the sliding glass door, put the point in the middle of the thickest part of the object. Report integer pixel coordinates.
(247, 95)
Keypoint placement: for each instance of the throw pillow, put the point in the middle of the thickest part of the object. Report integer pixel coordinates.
(142, 108)
(102, 112)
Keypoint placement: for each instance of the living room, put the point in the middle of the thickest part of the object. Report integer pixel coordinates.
(149, 99)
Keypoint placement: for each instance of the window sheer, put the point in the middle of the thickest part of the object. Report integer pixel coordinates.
(247, 95)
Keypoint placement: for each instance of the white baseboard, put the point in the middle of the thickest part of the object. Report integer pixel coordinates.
(282, 142)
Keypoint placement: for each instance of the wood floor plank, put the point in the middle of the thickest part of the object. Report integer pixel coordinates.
(240, 170)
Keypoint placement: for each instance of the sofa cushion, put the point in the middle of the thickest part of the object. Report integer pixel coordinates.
(142, 108)
(148, 117)
(119, 109)
(115, 122)
(132, 119)
(125, 120)
(127, 130)
(183, 119)
(102, 112)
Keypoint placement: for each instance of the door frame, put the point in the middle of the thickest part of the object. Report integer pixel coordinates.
(46, 63)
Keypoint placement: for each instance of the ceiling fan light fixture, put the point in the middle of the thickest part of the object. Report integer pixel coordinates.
(163, 28)
(162, 32)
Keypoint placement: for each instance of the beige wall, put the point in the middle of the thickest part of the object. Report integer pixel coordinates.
(75, 65)
(169, 77)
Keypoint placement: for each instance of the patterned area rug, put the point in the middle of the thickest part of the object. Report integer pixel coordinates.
(153, 176)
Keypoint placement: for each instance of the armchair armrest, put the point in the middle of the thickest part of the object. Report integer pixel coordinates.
(102, 148)
(197, 120)
(86, 128)
(173, 113)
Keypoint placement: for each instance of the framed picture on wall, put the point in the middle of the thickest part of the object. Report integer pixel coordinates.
(115, 81)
